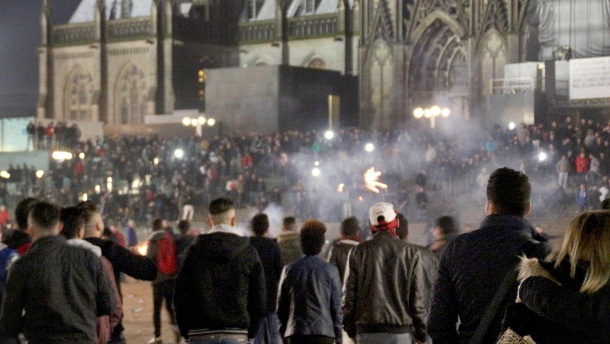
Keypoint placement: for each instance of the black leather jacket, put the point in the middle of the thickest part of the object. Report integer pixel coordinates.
(384, 288)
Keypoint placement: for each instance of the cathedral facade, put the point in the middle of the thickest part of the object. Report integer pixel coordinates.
(117, 61)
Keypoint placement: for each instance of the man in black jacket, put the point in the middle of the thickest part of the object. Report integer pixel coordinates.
(384, 299)
(220, 290)
(474, 265)
(340, 248)
(271, 257)
(55, 292)
(122, 260)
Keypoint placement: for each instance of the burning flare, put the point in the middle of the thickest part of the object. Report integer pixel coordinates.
(341, 187)
(371, 180)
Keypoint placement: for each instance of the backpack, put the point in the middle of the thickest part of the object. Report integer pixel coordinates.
(167, 262)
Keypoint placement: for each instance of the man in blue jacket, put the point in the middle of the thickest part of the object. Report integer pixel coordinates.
(309, 302)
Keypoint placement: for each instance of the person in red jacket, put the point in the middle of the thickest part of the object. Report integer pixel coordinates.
(582, 163)
(4, 216)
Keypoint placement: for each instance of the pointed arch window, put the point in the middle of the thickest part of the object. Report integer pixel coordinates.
(131, 96)
(79, 95)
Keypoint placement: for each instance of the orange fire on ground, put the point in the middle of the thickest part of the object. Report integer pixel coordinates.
(142, 248)
(371, 180)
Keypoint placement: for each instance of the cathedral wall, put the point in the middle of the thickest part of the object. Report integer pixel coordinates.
(323, 53)
(132, 75)
(67, 63)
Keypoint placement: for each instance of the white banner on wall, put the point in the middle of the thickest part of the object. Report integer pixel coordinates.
(590, 78)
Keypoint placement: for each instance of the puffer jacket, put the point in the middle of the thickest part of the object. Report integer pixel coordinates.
(566, 315)
(384, 288)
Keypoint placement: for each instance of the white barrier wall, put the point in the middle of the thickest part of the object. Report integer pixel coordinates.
(590, 78)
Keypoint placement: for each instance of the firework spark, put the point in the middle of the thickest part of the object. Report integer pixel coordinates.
(371, 180)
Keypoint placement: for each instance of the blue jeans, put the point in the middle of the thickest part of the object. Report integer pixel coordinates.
(268, 330)
(384, 337)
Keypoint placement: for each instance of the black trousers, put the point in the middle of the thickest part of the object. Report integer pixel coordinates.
(163, 290)
(312, 339)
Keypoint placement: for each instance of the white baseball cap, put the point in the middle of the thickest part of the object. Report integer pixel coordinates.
(382, 209)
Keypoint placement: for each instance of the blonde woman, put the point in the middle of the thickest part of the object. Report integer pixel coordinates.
(567, 297)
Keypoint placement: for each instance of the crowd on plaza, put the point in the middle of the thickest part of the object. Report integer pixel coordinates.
(61, 269)
(126, 182)
(141, 178)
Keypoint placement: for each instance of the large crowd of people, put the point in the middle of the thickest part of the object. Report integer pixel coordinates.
(61, 280)
(268, 289)
(141, 178)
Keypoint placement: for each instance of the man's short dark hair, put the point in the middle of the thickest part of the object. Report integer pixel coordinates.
(260, 224)
(220, 206)
(606, 204)
(45, 215)
(73, 219)
(157, 224)
(289, 221)
(312, 237)
(403, 226)
(447, 225)
(510, 191)
(184, 226)
(89, 208)
(350, 226)
(23, 210)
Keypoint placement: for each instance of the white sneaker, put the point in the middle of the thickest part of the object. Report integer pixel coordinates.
(155, 340)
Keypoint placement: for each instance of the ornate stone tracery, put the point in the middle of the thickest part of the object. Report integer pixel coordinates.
(78, 95)
(131, 95)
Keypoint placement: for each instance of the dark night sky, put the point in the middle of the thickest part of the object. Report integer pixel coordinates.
(19, 39)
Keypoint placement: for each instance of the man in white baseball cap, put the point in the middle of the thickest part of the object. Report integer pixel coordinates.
(384, 286)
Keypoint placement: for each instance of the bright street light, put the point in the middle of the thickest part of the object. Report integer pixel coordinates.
(315, 171)
(198, 123)
(511, 126)
(39, 173)
(60, 155)
(418, 112)
(178, 153)
(431, 113)
(542, 156)
(369, 147)
(329, 135)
